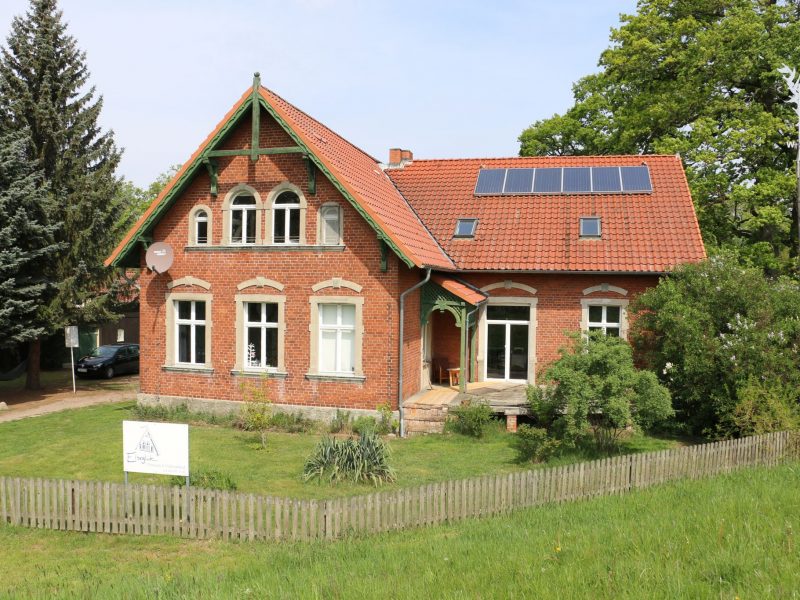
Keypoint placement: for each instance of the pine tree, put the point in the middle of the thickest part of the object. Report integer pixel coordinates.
(26, 243)
(44, 88)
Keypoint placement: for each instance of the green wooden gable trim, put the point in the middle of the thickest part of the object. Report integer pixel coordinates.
(338, 184)
(127, 257)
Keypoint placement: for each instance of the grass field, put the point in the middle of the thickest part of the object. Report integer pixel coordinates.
(729, 537)
(87, 444)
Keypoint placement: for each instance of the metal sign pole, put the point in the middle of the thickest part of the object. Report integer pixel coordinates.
(72, 362)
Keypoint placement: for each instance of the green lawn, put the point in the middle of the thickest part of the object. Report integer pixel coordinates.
(87, 444)
(730, 537)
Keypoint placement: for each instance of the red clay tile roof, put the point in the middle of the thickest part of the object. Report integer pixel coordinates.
(459, 288)
(363, 178)
(359, 174)
(640, 232)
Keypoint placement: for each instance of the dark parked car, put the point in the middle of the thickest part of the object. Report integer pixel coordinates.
(110, 360)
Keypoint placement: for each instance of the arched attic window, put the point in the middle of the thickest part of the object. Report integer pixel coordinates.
(330, 225)
(201, 227)
(286, 219)
(243, 219)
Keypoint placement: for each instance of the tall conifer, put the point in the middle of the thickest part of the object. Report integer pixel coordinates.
(26, 243)
(44, 88)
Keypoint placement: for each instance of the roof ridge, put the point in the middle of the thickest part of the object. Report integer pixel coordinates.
(559, 157)
(337, 134)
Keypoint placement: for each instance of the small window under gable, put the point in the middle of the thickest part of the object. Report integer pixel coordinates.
(465, 228)
(330, 216)
(590, 227)
(201, 225)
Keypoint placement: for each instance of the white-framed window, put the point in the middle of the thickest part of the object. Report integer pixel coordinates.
(337, 333)
(608, 316)
(330, 225)
(286, 219)
(190, 332)
(243, 220)
(201, 227)
(261, 331)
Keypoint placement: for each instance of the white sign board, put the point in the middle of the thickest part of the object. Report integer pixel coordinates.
(160, 448)
(71, 336)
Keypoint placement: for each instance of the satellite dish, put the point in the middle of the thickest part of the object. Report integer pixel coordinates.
(159, 257)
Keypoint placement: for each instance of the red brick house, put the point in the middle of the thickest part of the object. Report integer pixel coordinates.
(299, 256)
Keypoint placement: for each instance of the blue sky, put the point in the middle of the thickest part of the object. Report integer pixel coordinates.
(445, 79)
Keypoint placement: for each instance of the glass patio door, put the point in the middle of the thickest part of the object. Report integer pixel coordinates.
(507, 342)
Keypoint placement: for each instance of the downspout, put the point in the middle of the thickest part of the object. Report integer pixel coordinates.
(400, 358)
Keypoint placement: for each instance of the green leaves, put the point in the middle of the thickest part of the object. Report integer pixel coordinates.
(699, 78)
(362, 460)
(710, 330)
(594, 387)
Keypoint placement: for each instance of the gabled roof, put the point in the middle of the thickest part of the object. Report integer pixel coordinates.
(357, 176)
(641, 233)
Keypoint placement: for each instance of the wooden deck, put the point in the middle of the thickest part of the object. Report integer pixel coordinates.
(506, 398)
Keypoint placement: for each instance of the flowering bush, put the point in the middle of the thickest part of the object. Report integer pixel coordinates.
(717, 333)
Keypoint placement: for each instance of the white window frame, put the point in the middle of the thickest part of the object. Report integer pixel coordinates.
(200, 216)
(605, 302)
(357, 374)
(328, 208)
(263, 325)
(249, 211)
(193, 323)
(484, 323)
(287, 208)
(194, 219)
(339, 327)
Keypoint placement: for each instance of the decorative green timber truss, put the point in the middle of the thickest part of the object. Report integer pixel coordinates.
(435, 297)
(206, 160)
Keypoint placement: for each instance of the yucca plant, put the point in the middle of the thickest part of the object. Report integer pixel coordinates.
(364, 459)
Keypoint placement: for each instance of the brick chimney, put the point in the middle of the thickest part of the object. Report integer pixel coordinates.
(399, 157)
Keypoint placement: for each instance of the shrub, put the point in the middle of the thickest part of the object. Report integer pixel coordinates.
(386, 423)
(207, 478)
(710, 328)
(532, 444)
(364, 424)
(471, 418)
(340, 421)
(179, 414)
(762, 407)
(291, 422)
(362, 460)
(256, 414)
(594, 388)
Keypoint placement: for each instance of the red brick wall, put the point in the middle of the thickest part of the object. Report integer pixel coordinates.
(296, 270)
(558, 309)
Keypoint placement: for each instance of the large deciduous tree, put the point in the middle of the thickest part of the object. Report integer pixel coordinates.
(26, 242)
(44, 88)
(699, 78)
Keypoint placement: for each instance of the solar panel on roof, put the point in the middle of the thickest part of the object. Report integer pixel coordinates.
(606, 179)
(490, 181)
(518, 181)
(547, 181)
(636, 179)
(577, 179)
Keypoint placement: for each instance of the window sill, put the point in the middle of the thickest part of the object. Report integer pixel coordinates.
(266, 248)
(331, 377)
(259, 374)
(199, 370)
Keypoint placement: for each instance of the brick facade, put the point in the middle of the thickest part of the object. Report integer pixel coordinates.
(223, 267)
